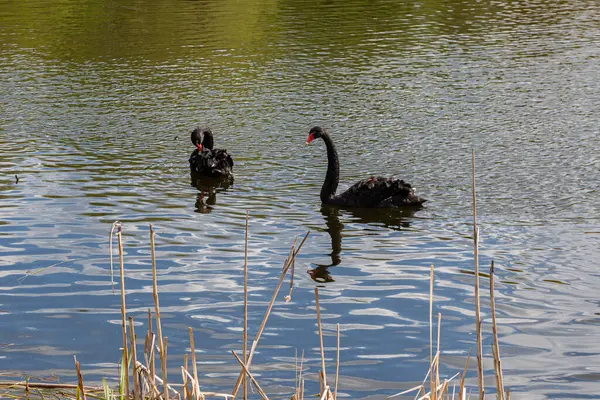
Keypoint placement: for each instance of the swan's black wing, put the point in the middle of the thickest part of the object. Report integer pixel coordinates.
(379, 192)
(211, 163)
(220, 163)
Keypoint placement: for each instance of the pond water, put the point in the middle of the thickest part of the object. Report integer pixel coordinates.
(97, 102)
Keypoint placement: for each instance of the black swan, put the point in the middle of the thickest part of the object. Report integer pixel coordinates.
(206, 161)
(374, 192)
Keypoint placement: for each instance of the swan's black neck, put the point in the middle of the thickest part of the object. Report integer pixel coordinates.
(208, 141)
(332, 177)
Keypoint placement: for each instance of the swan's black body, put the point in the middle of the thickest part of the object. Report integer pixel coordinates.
(206, 161)
(374, 192)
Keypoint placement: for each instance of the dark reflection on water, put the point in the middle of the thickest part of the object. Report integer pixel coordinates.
(395, 219)
(97, 99)
(207, 191)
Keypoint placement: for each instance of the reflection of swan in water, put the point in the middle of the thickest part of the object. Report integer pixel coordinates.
(207, 192)
(320, 274)
(390, 218)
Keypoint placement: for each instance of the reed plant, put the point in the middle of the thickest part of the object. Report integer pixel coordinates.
(139, 379)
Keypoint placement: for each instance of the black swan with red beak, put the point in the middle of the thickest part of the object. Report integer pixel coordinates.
(206, 161)
(374, 192)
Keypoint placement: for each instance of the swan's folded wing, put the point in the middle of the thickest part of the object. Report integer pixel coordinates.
(376, 192)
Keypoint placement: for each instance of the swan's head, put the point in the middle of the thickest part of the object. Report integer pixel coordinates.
(314, 133)
(199, 136)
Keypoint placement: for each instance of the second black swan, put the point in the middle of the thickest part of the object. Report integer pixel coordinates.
(374, 192)
(207, 161)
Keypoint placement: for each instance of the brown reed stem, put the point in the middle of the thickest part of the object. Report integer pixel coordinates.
(197, 392)
(245, 333)
(149, 350)
(184, 378)
(123, 309)
(320, 336)
(137, 393)
(337, 362)
(431, 281)
(267, 313)
(437, 369)
(289, 295)
(495, 345)
(161, 341)
(476, 270)
(321, 386)
(80, 385)
(245, 369)
(165, 343)
(461, 388)
(300, 379)
(115, 225)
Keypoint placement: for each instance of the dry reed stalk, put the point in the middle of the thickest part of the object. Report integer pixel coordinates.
(337, 362)
(115, 224)
(245, 369)
(430, 373)
(295, 395)
(149, 355)
(245, 332)
(80, 386)
(289, 295)
(495, 345)
(437, 369)
(123, 309)
(321, 382)
(196, 390)
(431, 276)
(137, 394)
(443, 389)
(164, 347)
(161, 340)
(298, 375)
(461, 388)
(149, 349)
(476, 270)
(300, 379)
(421, 387)
(207, 394)
(438, 390)
(320, 336)
(184, 368)
(431, 281)
(143, 368)
(326, 394)
(432, 389)
(267, 313)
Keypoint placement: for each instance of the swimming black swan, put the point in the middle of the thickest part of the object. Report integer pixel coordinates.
(206, 161)
(374, 192)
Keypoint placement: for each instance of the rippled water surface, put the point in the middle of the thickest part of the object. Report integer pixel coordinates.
(97, 102)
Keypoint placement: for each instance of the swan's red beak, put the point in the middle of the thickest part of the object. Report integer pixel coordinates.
(199, 146)
(310, 138)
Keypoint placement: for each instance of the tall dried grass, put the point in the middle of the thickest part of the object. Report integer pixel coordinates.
(146, 384)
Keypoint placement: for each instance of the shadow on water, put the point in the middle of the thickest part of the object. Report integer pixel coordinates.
(207, 191)
(394, 218)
